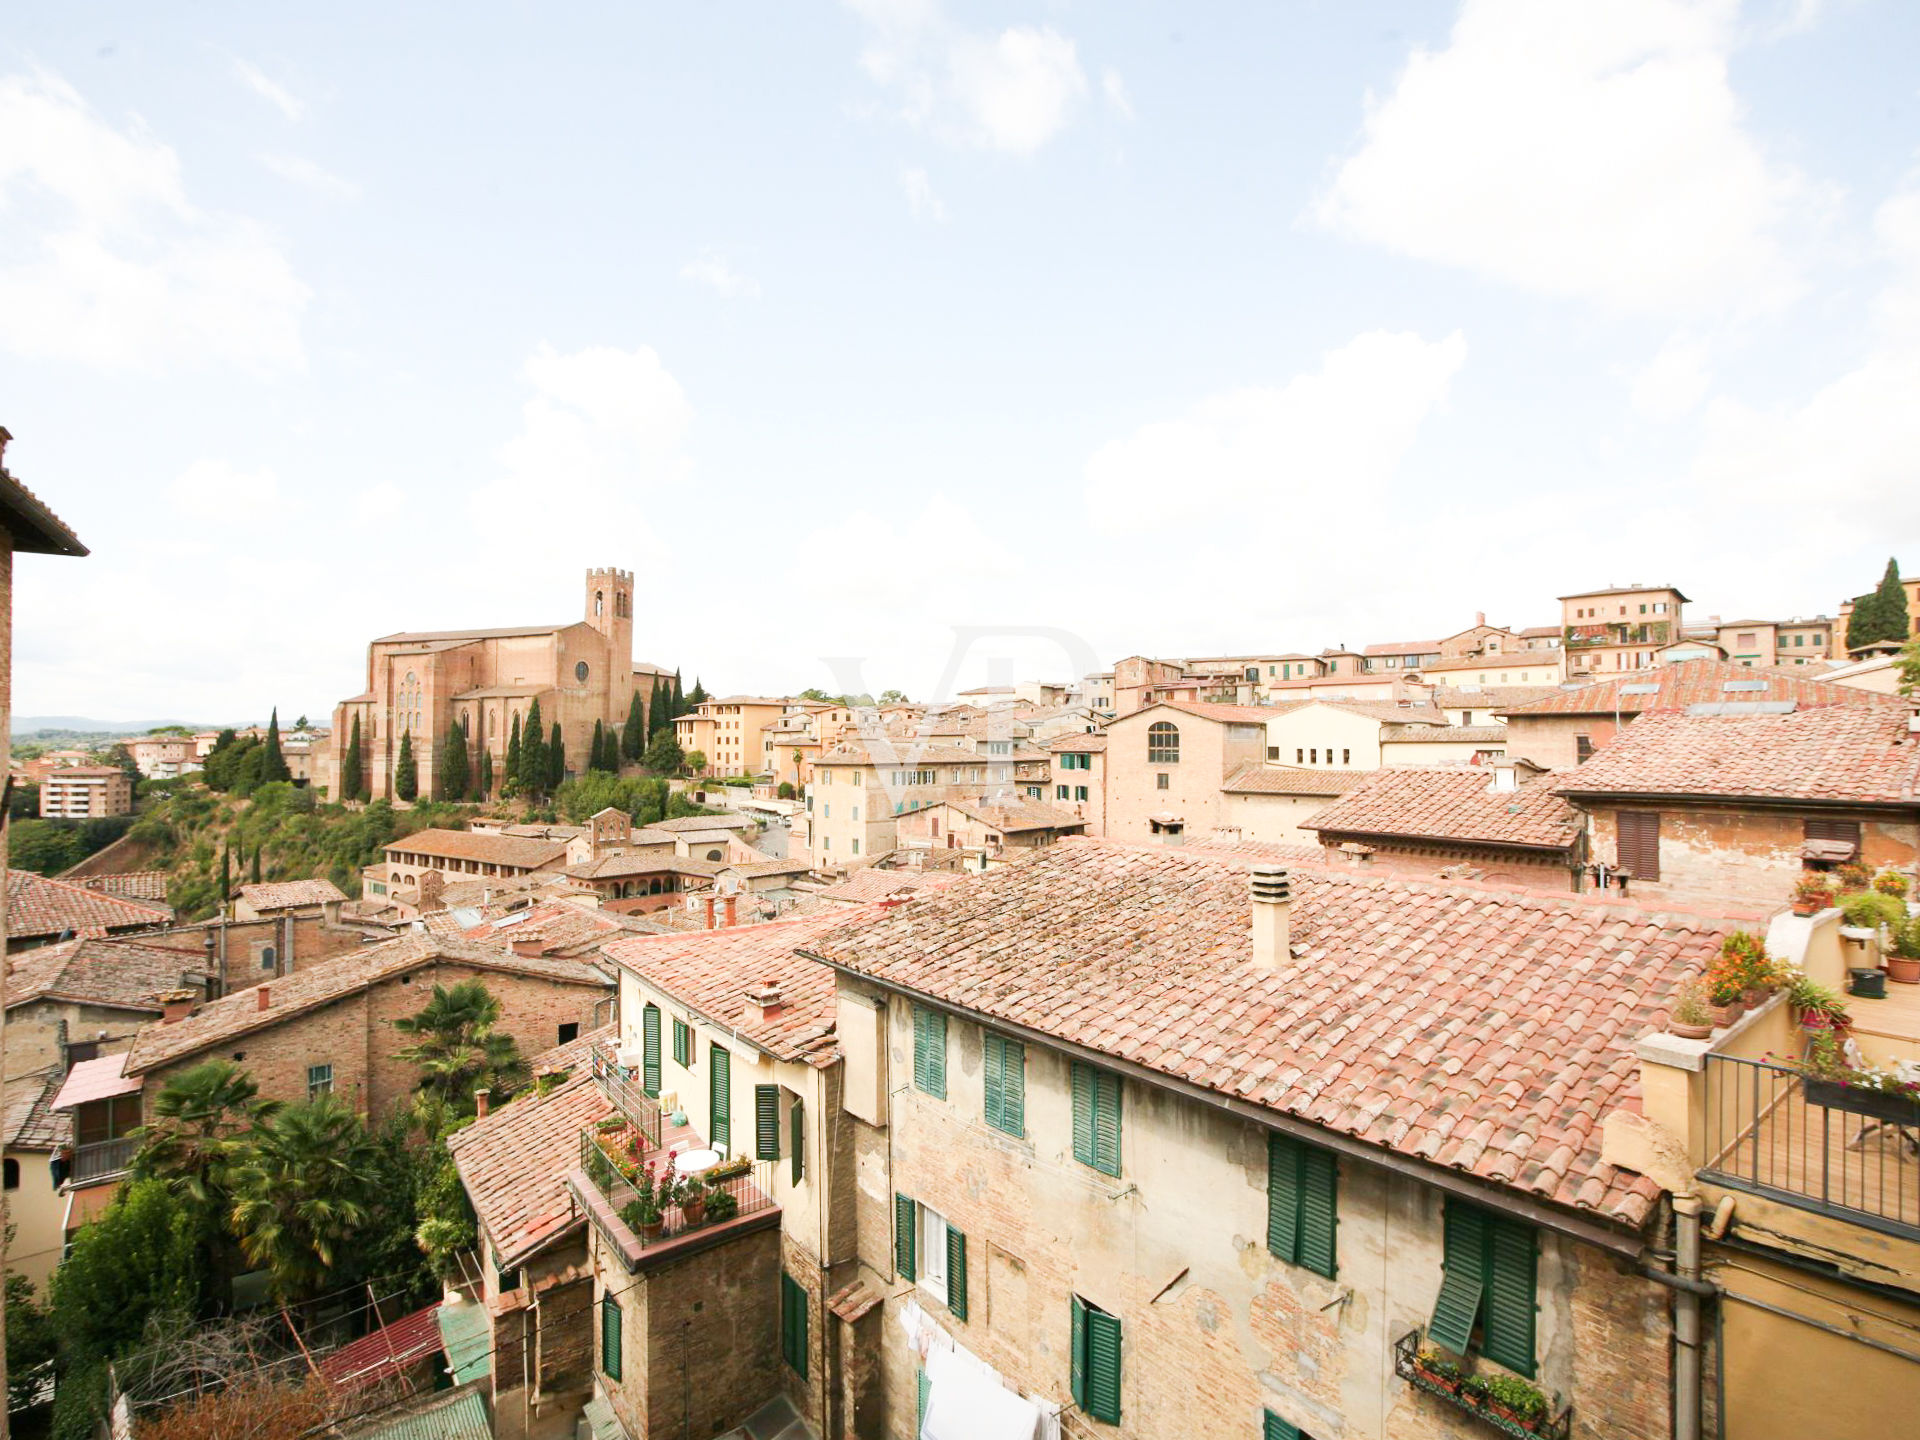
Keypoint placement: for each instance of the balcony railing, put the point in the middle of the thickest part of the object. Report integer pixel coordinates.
(608, 1158)
(623, 1088)
(1816, 1145)
(102, 1160)
(1460, 1386)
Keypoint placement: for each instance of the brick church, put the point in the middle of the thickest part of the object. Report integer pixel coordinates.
(423, 682)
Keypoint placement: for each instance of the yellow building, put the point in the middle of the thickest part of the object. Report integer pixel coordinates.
(736, 733)
(1619, 628)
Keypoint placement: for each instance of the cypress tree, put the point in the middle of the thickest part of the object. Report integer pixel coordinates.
(486, 775)
(597, 748)
(256, 865)
(274, 767)
(676, 701)
(556, 760)
(1880, 614)
(697, 696)
(533, 753)
(452, 769)
(633, 736)
(226, 874)
(406, 774)
(350, 765)
(512, 776)
(656, 710)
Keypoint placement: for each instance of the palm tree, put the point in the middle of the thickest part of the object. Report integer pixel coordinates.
(199, 1130)
(304, 1187)
(457, 1048)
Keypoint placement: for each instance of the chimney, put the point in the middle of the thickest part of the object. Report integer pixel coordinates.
(709, 912)
(176, 1005)
(480, 1104)
(1506, 777)
(1479, 617)
(1272, 932)
(763, 1001)
(261, 992)
(733, 911)
(5, 436)
(529, 945)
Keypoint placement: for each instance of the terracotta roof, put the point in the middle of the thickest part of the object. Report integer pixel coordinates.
(576, 1051)
(709, 971)
(704, 822)
(128, 885)
(1078, 744)
(1700, 682)
(1827, 753)
(560, 927)
(39, 906)
(100, 1079)
(903, 752)
(1405, 647)
(1482, 1030)
(613, 867)
(1621, 590)
(756, 868)
(514, 850)
(1452, 802)
(33, 526)
(871, 884)
(505, 632)
(1016, 813)
(1254, 778)
(1208, 710)
(313, 986)
(514, 1164)
(1456, 734)
(31, 1122)
(289, 894)
(1491, 698)
(113, 973)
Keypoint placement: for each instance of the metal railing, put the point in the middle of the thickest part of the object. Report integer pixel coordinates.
(1459, 1386)
(102, 1160)
(605, 1155)
(623, 1088)
(1818, 1145)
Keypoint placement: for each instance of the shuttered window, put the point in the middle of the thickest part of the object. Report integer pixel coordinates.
(650, 1051)
(798, 1141)
(1274, 1428)
(609, 1336)
(793, 1324)
(905, 1221)
(956, 1273)
(1639, 844)
(1490, 1283)
(1847, 831)
(1096, 1118)
(1302, 1210)
(720, 1097)
(1006, 1083)
(923, 1391)
(682, 1044)
(766, 1122)
(930, 1051)
(1096, 1361)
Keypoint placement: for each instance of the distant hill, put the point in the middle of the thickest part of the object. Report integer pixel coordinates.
(85, 725)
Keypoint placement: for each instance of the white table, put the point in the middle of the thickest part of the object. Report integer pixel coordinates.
(693, 1162)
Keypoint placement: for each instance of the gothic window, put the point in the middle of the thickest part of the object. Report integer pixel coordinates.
(1163, 744)
(599, 604)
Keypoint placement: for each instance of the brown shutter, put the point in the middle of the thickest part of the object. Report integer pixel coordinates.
(1639, 846)
(1847, 830)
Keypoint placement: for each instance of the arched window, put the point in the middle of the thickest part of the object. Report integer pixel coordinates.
(1163, 743)
(599, 602)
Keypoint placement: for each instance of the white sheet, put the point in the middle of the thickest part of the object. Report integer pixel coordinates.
(966, 1402)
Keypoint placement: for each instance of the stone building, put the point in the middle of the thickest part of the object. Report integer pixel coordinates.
(85, 792)
(1077, 779)
(86, 998)
(987, 829)
(1618, 628)
(420, 683)
(41, 910)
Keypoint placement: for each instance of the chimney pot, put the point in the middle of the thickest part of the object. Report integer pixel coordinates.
(1272, 889)
(480, 1104)
(733, 911)
(764, 1000)
(176, 1005)
(709, 912)
(261, 994)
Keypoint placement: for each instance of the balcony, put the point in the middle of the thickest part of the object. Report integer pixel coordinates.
(621, 1085)
(101, 1161)
(1503, 1403)
(615, 1154)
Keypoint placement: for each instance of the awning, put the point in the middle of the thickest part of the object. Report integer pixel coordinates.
(88, 1204)
(1829, 852)
(96, 1080)
(466, 1333)
(965, 1403)
(1166, 817)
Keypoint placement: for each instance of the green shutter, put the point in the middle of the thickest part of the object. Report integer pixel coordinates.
(930, 1051)
(1507, 1332)
(1083, 1112)
(650, 1050)
(793, 1324)
(766, 1122)
(1006, 1083)
(1078, 1348)
(1106, 1123)
(1283, 1198)
(923, 1390)
(903, 1237)
(1277, 1429)
(1319, 1209)
(1103, 1366)
(799, 1141)
(610, 1337)
(720, 1097)
(1458, 1307)
(956, 1273)
(682, 1045)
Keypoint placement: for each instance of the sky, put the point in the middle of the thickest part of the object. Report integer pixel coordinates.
(898, 343)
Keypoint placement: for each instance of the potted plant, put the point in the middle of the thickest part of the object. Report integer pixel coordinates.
(1690, 1019)
(1725, 985)
(1812, 893)
(1891, 882)
(729, 1170)
(1518, 1401)
(1853, 876)
(1817, 1007)
(1903, 951)
(721, 1205)
(1441, 1371)
(693, 1201)
(643, 1213)
(1744, 955)
(1829, 1080)
(1866, 911)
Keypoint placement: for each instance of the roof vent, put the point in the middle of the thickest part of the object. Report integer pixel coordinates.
(1731, 686)
(764, 1000)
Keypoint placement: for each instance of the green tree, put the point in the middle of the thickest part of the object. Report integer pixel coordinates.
(533, 753)
(597, 750)
(785, 792)
(486, 775)
(199, 1131)
(23, 803)
(274, 765)
(816, 694)
(32, 1340)
(664, 756)
(697, 761)
(893, 697)
(254, 874)
(633, 736)
(350, 779)
(657, 717)
(458, 1048)
(451, 771)
(556, 761)
(1880, 614)
(447, 1226)
(300, 724)
(250, 770)
(698, 696)
(406, 773)
(226, 873)
(45, 847)
(302, 1192)
(1909, 663)
(676, 701)
(512, 778)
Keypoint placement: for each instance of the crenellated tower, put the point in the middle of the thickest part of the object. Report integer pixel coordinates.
(609, 609)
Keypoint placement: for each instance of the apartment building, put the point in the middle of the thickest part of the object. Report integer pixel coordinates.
(85, 792)
(1619, 628)
(1402, 655)
(987, 830)
(161, 757)
(1155, 1148)
(733, 731)
(860, 786)
(1341, 734)
(1776, 642)
(1165, 764)
(1077, 779)
(1267, 804)
(1498, 670)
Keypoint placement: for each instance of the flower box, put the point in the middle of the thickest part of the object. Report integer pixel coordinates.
(1463, 1391)
(1858, 1100)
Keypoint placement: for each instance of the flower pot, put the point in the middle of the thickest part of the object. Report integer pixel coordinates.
(1754, 998)
(694, 1207)
(1808, 907)
(1682, 1030)
(650, 1229)
(1903, 969)
(1875, 1104)
(1724, 1015)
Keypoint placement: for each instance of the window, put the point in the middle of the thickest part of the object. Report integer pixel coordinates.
(793, 1324)
(1300, 757)
(319, 1081)
(1006, 1082)
(650, 1051)
(1487, 1298)
(1060, 792)
(266, 957)
(1638, 844)
(766, 1122)
(856, 847)
(1466, 717)
(720, 1098)
(569, 1031)
(856, 816)
(609, 1336)
(1160, 781)
(1096, 1118)
(798, 1148)
(78, 1050)
(1096, 1361)
(509, 1280)
(930, 1253)
(1582, 748)
(10, 1173)
(1273, 753)
(1163, 743)
(1346, 756)
(1313, 756)
(1302, 1183)
(930, 1051)
(1272, 1427)
(1079, 792)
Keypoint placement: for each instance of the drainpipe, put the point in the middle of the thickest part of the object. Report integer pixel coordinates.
(1688, 1290)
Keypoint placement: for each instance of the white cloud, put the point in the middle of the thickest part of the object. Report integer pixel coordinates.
(213, 490)
(108, 263)
(920, 197)
(305, 173)
(1675, 381)
(263, 85)
(1115, 89)
(1594, 152)
(1310, 450)
(1012, 91)
(718, 276)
